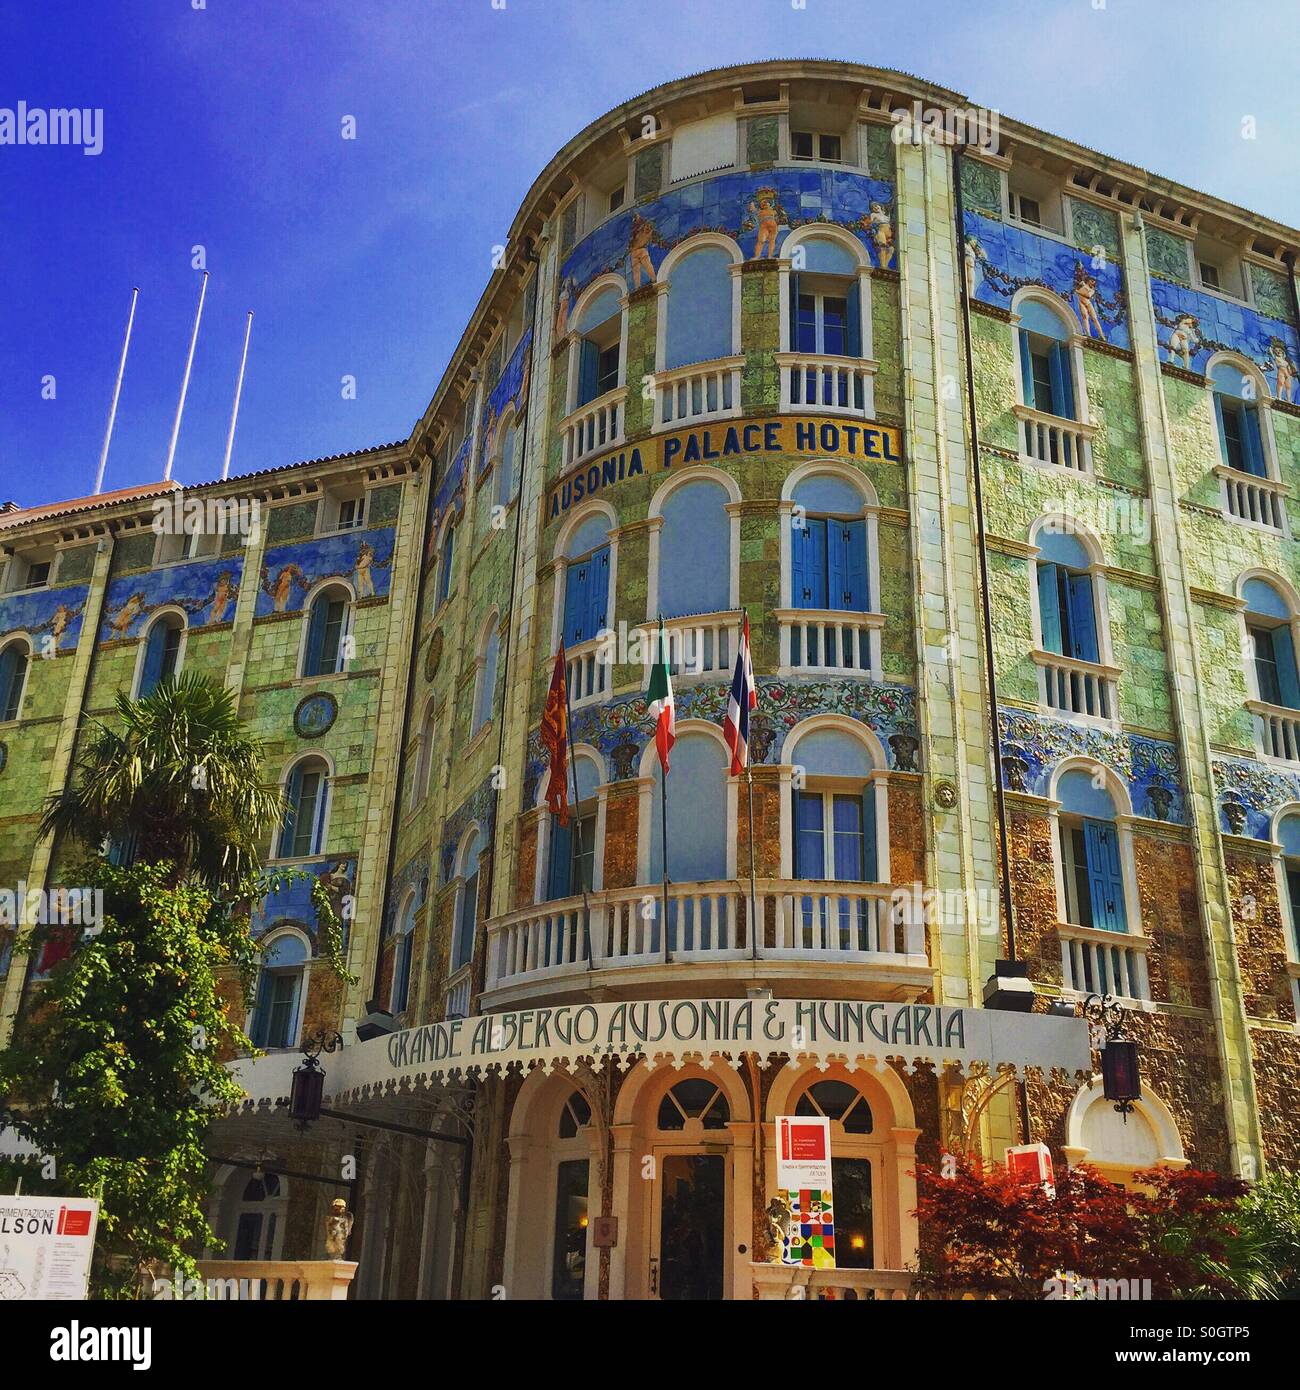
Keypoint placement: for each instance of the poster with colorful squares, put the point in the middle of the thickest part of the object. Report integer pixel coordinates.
(811, 1241)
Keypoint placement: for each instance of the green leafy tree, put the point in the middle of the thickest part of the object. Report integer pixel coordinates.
(115, 1073)
(1269, 1216)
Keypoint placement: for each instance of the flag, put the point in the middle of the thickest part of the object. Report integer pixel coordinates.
(659, 698)
(743, 698)
(555, 739)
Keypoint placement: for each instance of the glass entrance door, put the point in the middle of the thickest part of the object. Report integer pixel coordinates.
(691, 1217)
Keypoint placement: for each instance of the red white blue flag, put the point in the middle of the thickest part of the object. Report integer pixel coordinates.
(743, 698)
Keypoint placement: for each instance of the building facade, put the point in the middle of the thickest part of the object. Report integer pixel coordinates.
(996, 448)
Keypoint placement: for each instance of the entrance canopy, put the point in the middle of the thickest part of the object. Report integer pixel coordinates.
(675, 1031)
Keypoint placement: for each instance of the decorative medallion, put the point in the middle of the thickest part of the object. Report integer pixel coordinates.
(433, 657)
(315, 715)
(945, 795)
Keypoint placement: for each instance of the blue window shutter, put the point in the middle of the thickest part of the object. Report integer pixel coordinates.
(316, 635)
(293, 795)
(152, 670)
(1252, 442)
(1284, 655)
(1062, 381)
(1218, 421)
(597, 591)
(859, 592)
(794, 312)
(560, 877)
(576, 586)
(854, 320)
(815, 577)
(1026, 369)
(588, 370)
(1105, 878)
(262, 1009)
(809, 836)
(870, 857)
(1049, 607)
(9, 681)
(838, 594)
(800, 584)
(1083, 619)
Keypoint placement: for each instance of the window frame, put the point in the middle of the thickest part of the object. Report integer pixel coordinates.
(181, 626)
(323, 591)
(22, 642)
(321, 811)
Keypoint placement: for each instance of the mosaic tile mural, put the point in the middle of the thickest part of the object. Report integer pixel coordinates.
(449, 491)
(1001, 259)
(477, 807)
(291, 903)
(621, 729)
(289, 571)
(206, 591)
(1192, 326)
(758, 209)
(413, 874)
(1032, 746)
(1249, 794)
(52, 613)
(510, 391)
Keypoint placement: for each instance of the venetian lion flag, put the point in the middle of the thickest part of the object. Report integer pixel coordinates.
(743, 698)
(659, 699)
(555, 739)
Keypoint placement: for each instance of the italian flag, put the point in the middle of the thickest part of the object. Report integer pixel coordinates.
(659, 698)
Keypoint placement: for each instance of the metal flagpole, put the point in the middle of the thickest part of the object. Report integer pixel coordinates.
(755, 926)
(575, 845)
(185, 382)
(663, 801)
(239, 387)
(117, 391)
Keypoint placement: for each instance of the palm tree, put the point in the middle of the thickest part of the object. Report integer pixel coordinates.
(180, 783)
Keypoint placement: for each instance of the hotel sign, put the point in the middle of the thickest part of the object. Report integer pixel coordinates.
(810, 436)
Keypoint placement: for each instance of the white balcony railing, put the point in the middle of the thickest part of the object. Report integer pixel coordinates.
(827, 385)
(276, 1281)
(1055, 440)
(700, 644)
(794, 1283)
(593, 427)
(457, 1001)
(857, 923)
(1277, 730)
(698, 393)
(827, 641)
(1104, 962)
(586, 671)
(1070, 686)
(1253, 501)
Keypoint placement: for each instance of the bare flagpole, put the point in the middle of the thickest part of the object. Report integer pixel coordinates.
(239, 388)
(663, 801)
(185, 382)
(575, 845)
(117, 391)
(755, 926)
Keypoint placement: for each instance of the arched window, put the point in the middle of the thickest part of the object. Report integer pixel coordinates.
(696, 1098)
(1271, 646)
(462, 945)
(401, 993)
(1091, 856)
(425, 761)
(1070, 625)
(825, 301)
(258, 1217)
(829, 570)
(1288, 836)
(695, 525)
(1236, 416)
(835, 813)
(15, 658)
(699, 308)
(1046, 364)
(446, 561)
(849, 1112)
(485, 678)
(277, 1014)
(329, 617)
(306, 793)
(839, 1102)
(162, 649)
(572, 852)
(508, 465)
(597, 364)
(584, 566)
(697, 826)
(572, 1183)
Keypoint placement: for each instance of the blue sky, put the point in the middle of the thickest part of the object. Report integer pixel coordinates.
(222, 129)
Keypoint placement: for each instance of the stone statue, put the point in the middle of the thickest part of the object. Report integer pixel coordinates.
(780, 1218)
(338, 1227)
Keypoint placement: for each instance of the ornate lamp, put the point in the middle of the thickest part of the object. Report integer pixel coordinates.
(308, 1087)
(1121, 1079)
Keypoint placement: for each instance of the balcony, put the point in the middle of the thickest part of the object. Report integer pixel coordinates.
(827, 385)
(1253, 501)
(560, 946)
(1104, 962)
(277, 1281)
(699, 644)
(1070, 686)
(795, 1283)
(593, 428)
(587, 674)
(1277, 731)
(1054, 440)
(824, 642)
(698, 393)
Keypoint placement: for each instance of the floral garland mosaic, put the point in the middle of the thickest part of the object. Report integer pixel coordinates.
(621, 729)
(1032, 746)
(1249, 794)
